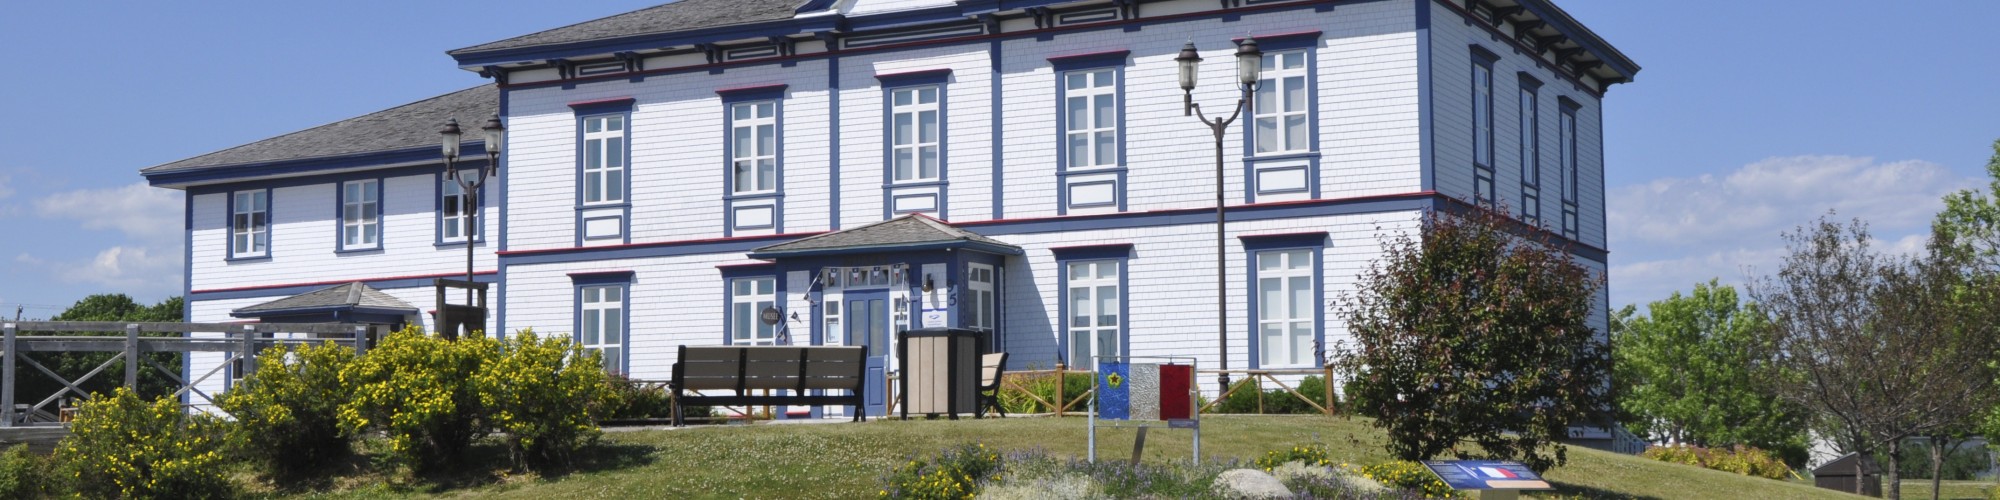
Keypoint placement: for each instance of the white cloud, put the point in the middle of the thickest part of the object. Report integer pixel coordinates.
(140, 211)
(124, 267)
(1670, 233)
(6, 190)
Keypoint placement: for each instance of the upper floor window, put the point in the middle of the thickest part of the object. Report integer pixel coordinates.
(748, 297)
(1091, 110)
(1531, 151)
(1282, 94)
(360, 214)
(915, 144)
(1482, 114)
(604, 159)
(753, 134)
(250, 223)
(454, 220)
(1566, 128)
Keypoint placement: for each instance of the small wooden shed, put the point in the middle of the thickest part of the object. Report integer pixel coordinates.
(1838, 475)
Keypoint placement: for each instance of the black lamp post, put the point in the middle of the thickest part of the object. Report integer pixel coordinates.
(1249, 67)
(469, 183)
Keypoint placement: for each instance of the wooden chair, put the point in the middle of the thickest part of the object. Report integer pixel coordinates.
(991, 367)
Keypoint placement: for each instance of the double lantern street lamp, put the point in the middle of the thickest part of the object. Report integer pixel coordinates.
(1249, 66)
(469, 183)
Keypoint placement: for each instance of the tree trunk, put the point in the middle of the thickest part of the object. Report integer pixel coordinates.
(1937, 466)
(1893, 478)
(1860, 479)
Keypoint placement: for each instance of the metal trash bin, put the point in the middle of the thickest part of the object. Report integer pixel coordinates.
(940, 370)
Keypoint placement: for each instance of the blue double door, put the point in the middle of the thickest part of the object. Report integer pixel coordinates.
(869, 324)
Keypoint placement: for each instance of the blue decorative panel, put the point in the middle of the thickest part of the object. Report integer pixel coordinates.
(1114, 390)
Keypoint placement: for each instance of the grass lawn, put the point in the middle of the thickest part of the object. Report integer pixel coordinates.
(1970, 490)
(845, 460)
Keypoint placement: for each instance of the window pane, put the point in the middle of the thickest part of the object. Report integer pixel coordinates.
(1107, 342)
(1106, 110)
(1079, 271)
(1267, 134)
(902, 97)
(1295, 60)
(368, 234)
(767, 140)
(1273, 343)
(611, 294)
(1079, 149)
(593, 125)
(1107, 269)
(1079, 307)
(927, 95)
(614, 152)
(1302, 343)
(743, 176)
(1299, 259)
(741, 319)
(614, 185)
(1267, 96)
(614, 123)
(1270, 299)
(593, 187)
(929, 163)
(611, 359)
(764, 286)
(927, 124)
(593, 154)
(1107, 306)
(1295, 93)
(1079, 350)
(1302, 297)
(1102, 78)
(1078, 81)
(591, 327)
(740, 112)
(904, 163)
(1107, 148)
(1079, 112)
(767, 110)
(903, 133)
(743, 141)
(767, 174)
(742, 288)
(1295, 132)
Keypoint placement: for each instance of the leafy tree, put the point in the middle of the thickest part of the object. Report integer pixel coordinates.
(1471, 333)
(1881, 347)
(1970, 224)
(1693, 371)
(33, 385)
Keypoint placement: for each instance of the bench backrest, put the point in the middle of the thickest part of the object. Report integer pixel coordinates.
(770, 367)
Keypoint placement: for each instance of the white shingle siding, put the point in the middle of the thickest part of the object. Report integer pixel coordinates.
(304, 237)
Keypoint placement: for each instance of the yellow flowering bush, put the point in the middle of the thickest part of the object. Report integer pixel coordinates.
(123, 447)
(1411, 476)
(287, 412)
(1312, 454)
(1745, 460)
(419, 391)
(546, 394)
(954, 474)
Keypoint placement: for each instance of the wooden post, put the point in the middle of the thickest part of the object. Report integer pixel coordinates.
(1259, 387)
(1062, 375)
(132, 357)
(1326, 375)
(360, 341)
(7, 385)
(249, 351)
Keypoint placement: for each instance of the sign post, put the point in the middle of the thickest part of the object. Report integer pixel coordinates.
(1124, 391)
(1493, 479)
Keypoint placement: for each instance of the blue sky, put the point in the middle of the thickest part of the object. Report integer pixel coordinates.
(1749, 118)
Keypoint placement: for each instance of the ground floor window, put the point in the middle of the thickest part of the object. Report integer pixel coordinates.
(748, 298)
(603, 323)
(1286, 324)
(1095, 308)
(983, 304)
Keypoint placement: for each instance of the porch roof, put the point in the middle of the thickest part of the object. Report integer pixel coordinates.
(351, 297)
(906, 233)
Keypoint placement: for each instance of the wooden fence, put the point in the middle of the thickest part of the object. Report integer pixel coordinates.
(238, 341)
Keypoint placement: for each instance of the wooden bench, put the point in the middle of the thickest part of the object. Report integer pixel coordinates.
(750, 370)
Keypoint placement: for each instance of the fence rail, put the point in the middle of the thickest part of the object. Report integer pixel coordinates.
(238, 341)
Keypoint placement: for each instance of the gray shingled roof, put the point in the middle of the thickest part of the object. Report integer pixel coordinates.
(677, 16)
(906, 230)
(354, 294)
(411, 125)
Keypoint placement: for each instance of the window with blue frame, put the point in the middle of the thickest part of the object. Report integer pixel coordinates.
(604, 159)
(1531, 150)
(748, 297)
(753, 135)
(1090, 130)
(1095, 309)
(453, 218)
(1281, 121)
(1567, 151)
(1090, 102)
(361, 215)
(1285, 276)
(250, 224)
(915, 143)
(1482, 126)
(603, 300)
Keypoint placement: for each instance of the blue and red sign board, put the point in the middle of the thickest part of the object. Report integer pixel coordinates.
(1486, 475)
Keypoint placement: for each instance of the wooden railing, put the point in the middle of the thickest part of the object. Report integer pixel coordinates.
(1255, 379)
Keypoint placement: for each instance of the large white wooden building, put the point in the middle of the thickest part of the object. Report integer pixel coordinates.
(863, 166)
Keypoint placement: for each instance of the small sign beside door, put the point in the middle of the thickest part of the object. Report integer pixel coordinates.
(771, 316)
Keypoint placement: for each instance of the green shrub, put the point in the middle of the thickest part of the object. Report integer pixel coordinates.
(546, 394)
(1041, 385)
(287, 412)
(1743, 460)
(24, 474)
(1411, 476)
(954, 474)
(1311, 454)
(418, 390)
(1355, 400)
(122, 447)
(631, 400)
(1277, 401)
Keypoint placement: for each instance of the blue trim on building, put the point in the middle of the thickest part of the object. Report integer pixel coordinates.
(378, 284)
(229, 226)
(340, 217)
(775, 94)
(1116, 61)
(1308, 41)
(997, 145)
(226, 173)
(1316, 242)
(891, 83)
(187, 282)
(1093, 252)
(1428, 181)
(833, 137)
(502, 172)
(623, 281)
(891, 248)
(624, 203)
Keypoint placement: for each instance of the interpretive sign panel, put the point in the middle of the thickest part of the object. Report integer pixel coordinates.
(1486, 475)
